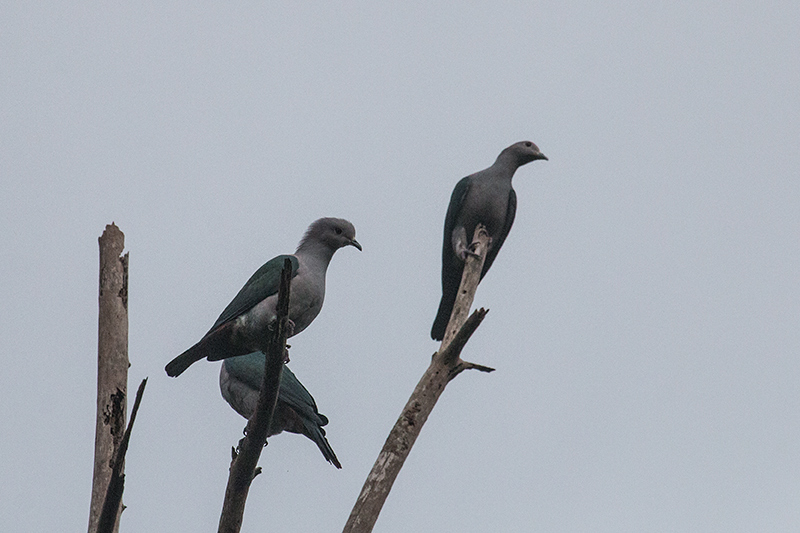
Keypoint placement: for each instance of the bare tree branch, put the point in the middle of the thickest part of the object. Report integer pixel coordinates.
(243, 466)
(469, 283)
(112, 366)
(113, 500)
(446, 364)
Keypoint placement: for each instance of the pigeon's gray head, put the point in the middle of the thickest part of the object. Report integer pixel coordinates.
(333, 233)
(524, 152)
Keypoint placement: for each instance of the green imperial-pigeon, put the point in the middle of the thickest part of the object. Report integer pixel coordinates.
(243, 326)
(296, 412)
(487, 198)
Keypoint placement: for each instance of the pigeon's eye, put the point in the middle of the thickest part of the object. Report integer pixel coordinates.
(338, 231)
(528, 144)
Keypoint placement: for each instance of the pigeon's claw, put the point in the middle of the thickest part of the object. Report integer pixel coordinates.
(467, 252)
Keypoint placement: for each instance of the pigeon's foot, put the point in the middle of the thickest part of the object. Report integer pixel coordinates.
(289, 326)
(475, 245)
(467, 252)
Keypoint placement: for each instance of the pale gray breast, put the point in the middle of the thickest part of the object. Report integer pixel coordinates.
(486, 203)
(240, 396)
(307, 296)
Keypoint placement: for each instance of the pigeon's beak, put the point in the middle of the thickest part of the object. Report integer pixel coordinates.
(355, 243)
(540, 155)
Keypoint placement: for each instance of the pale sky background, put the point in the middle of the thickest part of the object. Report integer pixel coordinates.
(645, 309)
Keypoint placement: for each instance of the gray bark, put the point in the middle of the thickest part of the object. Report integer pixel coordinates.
(243, 467)
(446, 364)
(109, 517)
(112, 366)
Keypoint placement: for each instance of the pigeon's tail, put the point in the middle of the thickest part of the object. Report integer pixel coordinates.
(452, 269)
(177, 366)
(442, 317)
(215, 345)
(294, 418)
(317, 434)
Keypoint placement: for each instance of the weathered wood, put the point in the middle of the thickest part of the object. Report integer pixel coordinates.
(243, 466)
(112, 366)
(110, 514)
(445, 365)
(469, 284)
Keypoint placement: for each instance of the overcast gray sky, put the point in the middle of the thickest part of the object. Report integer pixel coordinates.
(644, 310)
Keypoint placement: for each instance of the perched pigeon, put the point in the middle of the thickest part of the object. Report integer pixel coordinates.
(487, 198)
(243, 325)
(296, 412)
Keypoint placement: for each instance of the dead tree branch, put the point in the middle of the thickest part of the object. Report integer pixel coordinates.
(446, 364)
(243, 466)
(113, 500)
(112, 366)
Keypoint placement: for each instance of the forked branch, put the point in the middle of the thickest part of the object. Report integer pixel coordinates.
(445, 365)
(243, 466)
